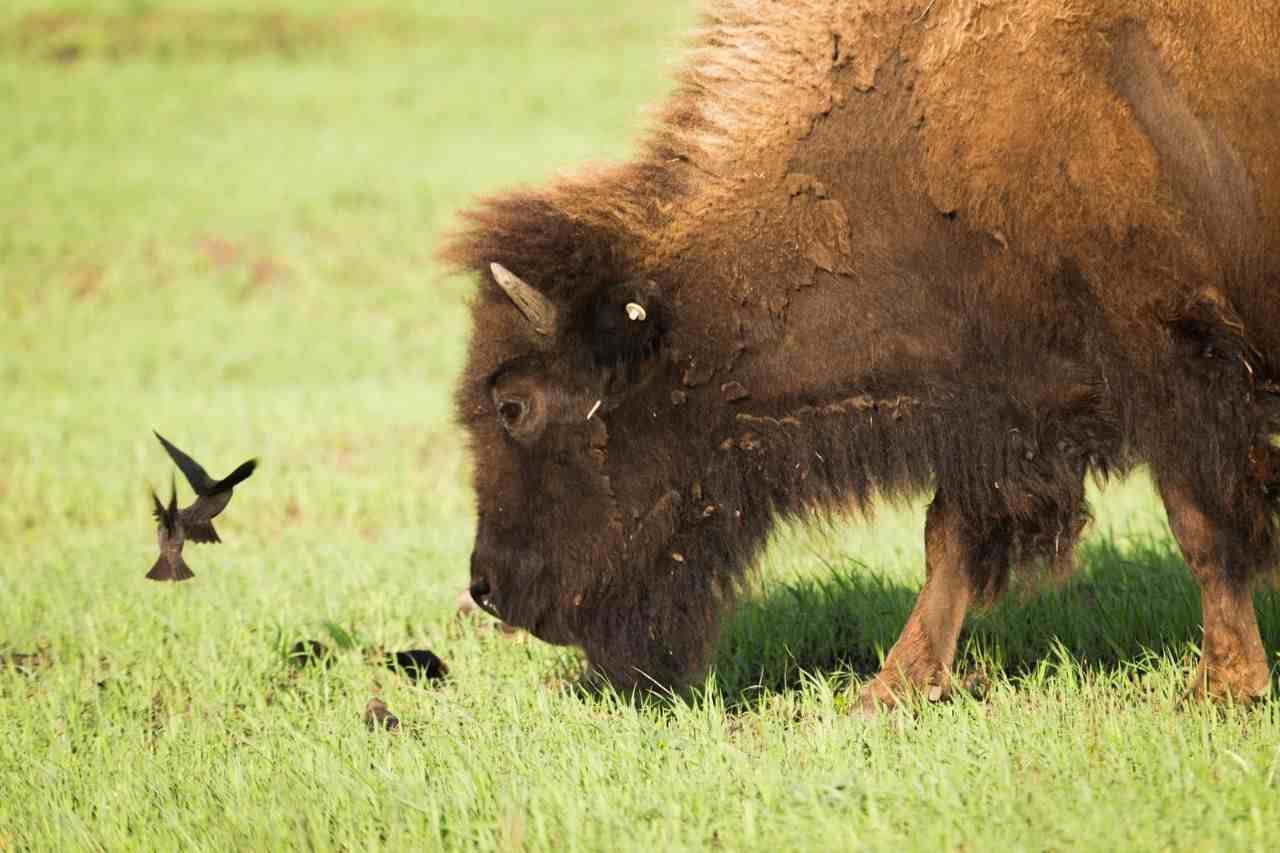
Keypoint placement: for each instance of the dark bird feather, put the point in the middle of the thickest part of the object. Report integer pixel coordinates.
(212, 495)
(169, 566)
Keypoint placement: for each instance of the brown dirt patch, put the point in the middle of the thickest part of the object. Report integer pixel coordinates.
(85, 282)
(68, 37)
(225, 255)
(28, 662)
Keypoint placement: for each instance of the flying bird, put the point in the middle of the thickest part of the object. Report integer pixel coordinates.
(170, 536)
(212, 496)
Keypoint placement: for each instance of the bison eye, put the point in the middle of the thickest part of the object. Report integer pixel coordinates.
(511, 412)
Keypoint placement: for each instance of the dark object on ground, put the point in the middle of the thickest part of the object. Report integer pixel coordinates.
(212, 495)
(858, 259)
(27, 662)
(170, 535)
(376, 716)
(309, 652)
(418, 664)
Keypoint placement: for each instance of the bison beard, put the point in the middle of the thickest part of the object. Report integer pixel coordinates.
(873, 250)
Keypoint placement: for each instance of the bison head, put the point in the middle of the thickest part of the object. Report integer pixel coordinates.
(577, 451)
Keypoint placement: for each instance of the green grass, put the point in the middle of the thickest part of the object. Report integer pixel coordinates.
(216, 220)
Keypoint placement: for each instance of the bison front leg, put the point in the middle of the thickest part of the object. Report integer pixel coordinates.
(1233, 662)
(920, 661)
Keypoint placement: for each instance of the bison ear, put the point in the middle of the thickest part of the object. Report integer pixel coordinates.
(624, 327)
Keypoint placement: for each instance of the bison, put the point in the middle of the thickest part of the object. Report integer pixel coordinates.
(874, 249)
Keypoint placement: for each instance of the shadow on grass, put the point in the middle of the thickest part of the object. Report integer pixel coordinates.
(1126, 602)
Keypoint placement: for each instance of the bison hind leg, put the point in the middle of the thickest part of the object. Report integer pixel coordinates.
(1233, 663)
(1209, 436)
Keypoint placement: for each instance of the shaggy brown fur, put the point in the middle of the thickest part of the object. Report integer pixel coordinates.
(981, 248)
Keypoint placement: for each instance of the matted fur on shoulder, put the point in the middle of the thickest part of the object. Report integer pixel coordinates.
(748, 87)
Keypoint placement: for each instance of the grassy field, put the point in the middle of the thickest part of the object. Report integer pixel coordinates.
(216, 220)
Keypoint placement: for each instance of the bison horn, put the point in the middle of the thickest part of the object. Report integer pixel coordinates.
(635, 311)
(536, 307)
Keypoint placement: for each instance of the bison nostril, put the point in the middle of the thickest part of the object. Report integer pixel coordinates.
(481, 595)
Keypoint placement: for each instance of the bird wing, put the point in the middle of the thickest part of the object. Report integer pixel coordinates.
(236, 477)
(165, 517)
(190, 468)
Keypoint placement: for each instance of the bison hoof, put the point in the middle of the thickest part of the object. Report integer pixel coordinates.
(872, 704)
(1224, 684)
(883, 694)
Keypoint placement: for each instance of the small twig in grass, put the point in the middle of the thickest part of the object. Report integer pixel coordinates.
(1271, 773)
(925, 13)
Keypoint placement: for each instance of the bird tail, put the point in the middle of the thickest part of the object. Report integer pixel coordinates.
(201, 531)
(236, 477)
(163, 570)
